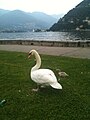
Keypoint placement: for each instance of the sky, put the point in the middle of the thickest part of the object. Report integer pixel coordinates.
(46, 6)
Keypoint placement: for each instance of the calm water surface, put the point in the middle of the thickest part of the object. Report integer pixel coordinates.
(46, 36)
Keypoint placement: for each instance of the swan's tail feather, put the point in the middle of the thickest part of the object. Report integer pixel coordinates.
(56, 85)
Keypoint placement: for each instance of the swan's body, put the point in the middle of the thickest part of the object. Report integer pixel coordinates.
(43, 76)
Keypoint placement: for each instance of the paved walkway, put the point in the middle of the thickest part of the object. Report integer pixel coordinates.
(57, 51)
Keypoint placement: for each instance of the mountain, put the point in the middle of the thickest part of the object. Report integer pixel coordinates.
(76, 19)
(18, 20)
(2, 12)
(44, 17)
(15, 21)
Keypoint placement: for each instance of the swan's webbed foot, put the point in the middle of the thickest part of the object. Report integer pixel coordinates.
(42, 86)
(37, 89)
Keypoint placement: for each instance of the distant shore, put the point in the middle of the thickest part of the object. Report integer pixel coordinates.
(80, 43)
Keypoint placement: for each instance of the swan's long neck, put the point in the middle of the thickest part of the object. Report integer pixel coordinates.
(38, 61)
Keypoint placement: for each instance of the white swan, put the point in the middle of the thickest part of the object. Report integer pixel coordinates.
(42, 76)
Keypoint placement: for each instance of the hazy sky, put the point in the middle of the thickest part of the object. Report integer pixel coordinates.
(47, 6)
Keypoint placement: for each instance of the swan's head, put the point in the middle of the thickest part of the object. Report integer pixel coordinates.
(31, 53)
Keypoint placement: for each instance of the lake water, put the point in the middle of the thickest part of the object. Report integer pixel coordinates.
(46, 36)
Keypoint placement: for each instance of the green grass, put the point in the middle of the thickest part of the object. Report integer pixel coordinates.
(70, 103)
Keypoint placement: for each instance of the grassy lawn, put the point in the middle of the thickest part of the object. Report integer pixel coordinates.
(70, 103)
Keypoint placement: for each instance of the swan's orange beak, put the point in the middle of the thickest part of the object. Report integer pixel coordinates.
(29, 54)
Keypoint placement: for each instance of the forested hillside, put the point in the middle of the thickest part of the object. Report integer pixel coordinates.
(76, 19)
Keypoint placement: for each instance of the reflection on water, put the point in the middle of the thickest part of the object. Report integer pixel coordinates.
(82, 35)
(47, 36)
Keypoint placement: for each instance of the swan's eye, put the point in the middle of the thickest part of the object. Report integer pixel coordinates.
(30, 53)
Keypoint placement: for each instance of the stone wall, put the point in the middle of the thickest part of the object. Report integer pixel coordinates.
(47, 43)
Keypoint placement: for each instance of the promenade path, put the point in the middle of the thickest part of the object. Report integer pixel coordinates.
(77, 52)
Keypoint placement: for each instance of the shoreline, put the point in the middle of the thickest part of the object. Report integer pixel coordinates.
(85, 43)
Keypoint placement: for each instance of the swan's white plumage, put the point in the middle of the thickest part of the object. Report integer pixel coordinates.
(43, 76)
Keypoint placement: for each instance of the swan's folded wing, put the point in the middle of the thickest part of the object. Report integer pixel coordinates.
(43, 76)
